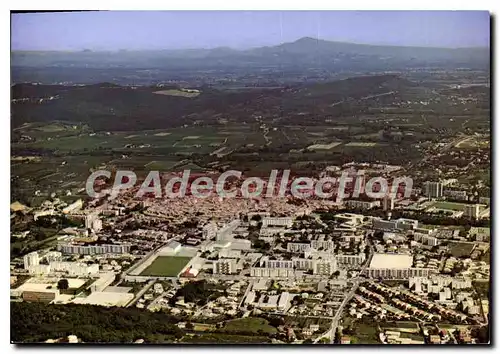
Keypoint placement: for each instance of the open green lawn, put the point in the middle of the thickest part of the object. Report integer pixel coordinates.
(482, 288)
(449, 206)
(458, 249)
(253, 324)
(223, 338)
(365, 334)
(166, 266)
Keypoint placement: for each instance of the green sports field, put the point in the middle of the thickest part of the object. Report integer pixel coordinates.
(449, 206)
(166, 266)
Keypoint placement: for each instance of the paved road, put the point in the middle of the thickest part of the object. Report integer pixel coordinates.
(356, 281)
(142, 292)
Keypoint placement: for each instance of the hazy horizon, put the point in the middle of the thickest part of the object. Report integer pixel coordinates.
(152, 30)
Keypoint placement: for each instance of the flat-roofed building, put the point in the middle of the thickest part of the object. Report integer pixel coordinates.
(394, 266)
(350, 259)
(172, 247)
(324, 266)
(108, 299)
(303, 263)
(349, 218)
(40, 296)
(278, 263)
(362, 204)
(102, 282)
(53, 256)
(323, 245)
(225, 233)
(69, 248)
(297, 247)
(277, 221)
(272, 272)
(284, 300)
(209, 231)
(31, 259)
(229, 253)
(457, 195)
(388, 260)
(398, 224)
(472, 210)
(224, 266)
(481, 234)
(426, 239)
(73, 207)
(433, 189)
(74, 268)
(39, 269)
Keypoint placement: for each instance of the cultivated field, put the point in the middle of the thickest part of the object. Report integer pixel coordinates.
(180, 93)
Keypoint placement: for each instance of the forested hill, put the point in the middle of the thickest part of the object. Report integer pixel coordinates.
(110, 107)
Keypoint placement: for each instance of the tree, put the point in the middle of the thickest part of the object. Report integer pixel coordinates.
(256, 217)
(189, 326)
(63, 284)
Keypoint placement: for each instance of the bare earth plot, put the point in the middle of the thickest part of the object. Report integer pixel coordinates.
(324, 146)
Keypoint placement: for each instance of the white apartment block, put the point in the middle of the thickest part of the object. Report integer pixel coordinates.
(283, 221)
(472, 210)
(352, 238)
(324, 245)
(39, 269)
(53, 256)
(436, 283)
(433, 189)
(473, 310)
(224, 266)
(272, 272)
(398, 224)
(481, 234)
(397, 273)
(303, 263)
(225, 233)
(350, 259)
(300, 247)
(209, 231)
(349, 218)
(279, 264)
(324, 266)
(458, 195)
(361, 204)
(94, 249)
(31, 259)
(297, 247)
(74, 268)
(93, 222)
(426, 239)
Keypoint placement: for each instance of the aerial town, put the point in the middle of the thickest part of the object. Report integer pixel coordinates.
(387, 242)
(322, 273)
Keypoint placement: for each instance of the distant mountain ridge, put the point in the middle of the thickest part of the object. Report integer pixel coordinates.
(288, 62)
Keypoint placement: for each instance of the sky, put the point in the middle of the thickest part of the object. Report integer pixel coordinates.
(135, 30)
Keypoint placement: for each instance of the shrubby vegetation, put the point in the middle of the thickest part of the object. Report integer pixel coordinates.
(37, 322)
